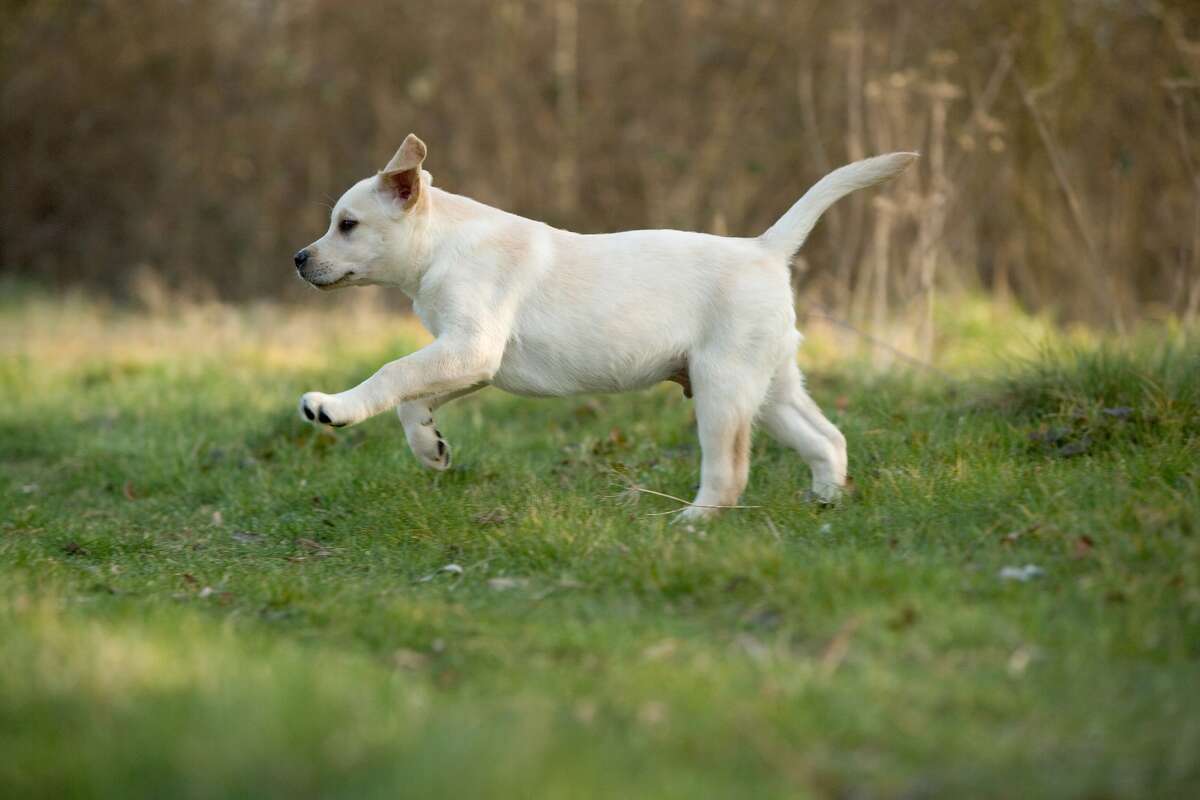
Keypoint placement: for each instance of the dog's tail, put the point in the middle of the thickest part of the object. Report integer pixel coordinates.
(788, 234)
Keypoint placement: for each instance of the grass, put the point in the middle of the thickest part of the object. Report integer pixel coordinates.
(202, 596)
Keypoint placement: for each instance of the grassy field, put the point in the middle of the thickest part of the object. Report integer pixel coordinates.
(203, 596)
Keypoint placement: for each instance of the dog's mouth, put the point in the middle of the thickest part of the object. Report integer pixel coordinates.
(326, 286)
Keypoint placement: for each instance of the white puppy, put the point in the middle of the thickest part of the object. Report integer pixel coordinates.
(534, 310)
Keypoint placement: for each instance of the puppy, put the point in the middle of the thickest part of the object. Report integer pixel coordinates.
(534, 310)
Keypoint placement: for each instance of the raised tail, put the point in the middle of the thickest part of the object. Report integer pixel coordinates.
(788, 234)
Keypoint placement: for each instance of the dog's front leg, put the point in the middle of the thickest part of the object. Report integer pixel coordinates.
(424, 439)
(446, 366)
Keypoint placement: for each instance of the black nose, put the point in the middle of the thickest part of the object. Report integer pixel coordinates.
(301, 259)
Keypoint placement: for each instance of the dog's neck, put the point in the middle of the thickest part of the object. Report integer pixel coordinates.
(438, 234)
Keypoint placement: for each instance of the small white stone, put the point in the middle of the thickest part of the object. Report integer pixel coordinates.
(1022, 574)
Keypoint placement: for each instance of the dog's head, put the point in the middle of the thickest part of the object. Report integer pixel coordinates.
(375, 229)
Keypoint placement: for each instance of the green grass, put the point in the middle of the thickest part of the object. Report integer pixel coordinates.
(202, 596)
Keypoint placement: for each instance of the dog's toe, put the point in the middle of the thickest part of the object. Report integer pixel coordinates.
(439, 458)
(443, 454)
(316, 407)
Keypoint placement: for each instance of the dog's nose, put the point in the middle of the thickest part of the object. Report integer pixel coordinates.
(301, 259)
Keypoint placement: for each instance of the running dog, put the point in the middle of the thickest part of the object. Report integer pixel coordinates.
(534, 310)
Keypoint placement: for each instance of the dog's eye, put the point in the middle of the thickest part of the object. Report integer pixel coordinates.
(347, 225)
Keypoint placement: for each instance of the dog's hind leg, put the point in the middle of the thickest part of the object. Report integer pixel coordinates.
(792, 417)
(424, 438)
(727, 394)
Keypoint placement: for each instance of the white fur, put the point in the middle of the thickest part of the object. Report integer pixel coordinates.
(533, 310)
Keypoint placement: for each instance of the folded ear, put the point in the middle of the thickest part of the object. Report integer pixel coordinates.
(402, 175)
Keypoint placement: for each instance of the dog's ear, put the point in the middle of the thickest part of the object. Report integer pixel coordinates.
(402, 175)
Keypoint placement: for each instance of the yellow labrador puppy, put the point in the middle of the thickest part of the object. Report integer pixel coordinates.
(534, 310)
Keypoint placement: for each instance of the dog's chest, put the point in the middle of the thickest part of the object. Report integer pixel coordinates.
(428, 317)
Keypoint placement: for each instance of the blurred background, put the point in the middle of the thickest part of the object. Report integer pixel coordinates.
(188, 148)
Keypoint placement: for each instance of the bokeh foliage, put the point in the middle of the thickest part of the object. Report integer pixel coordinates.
(199, 141)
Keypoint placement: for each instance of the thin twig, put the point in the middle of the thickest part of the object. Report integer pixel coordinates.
(835, 652)
(644, 490)
(774, 529)
(630, 485)
(1074, 205)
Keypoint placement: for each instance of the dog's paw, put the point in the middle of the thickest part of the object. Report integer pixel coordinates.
(324, 409)
(436, 452)
(694, 514)
(825, 494)
(432, 450)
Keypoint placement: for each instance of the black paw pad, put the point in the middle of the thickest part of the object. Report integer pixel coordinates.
(441, 448)
(323, 417)
(308, 413)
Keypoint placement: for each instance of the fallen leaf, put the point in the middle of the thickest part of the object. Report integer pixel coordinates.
(904, 619)
(224, 598)
(189, 579)
(585, 711)
(756, 650)
(501, 584)
(1075, 448)
(496, 516)
(1050, 435)
(835, 652)
(128, 491)
(660, 650)
(317, 549)
(652, 713)
(1083, 547)
(588, 408)
(217, 518)
(403, 658)
(1019, 660)
(767, 618)
(1013, 536)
